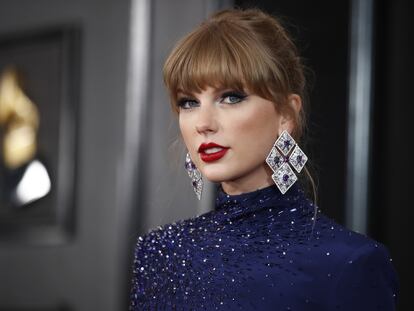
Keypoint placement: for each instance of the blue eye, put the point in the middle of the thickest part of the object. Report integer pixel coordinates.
(228, 98)
(186, 103)
(232, 97)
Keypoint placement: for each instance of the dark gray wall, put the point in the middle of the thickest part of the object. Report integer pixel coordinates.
(130, 174)
(84, 274)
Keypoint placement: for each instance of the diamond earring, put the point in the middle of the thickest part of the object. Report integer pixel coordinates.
(195, 175)
(279, 160)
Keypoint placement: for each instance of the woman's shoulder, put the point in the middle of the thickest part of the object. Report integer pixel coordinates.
(342, 241)
(358, 267)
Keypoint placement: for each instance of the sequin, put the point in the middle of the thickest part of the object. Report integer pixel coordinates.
(259, 250)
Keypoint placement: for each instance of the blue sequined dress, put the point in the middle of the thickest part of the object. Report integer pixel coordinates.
(261, 251)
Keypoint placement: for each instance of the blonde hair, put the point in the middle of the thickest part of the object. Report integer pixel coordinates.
(240, 49)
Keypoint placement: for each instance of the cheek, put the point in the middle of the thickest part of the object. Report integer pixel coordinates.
(186, 133)
(257, 132)
(183, 129)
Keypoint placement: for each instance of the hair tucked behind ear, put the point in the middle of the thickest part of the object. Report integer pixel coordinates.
(241, 49)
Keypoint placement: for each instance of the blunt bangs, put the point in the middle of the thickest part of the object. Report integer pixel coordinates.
(220, 55)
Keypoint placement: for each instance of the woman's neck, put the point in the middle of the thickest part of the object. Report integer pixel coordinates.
(249, 182)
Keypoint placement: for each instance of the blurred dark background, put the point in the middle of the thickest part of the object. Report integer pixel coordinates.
(126, 167)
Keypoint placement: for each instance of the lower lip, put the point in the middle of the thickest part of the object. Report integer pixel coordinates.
(213, 156)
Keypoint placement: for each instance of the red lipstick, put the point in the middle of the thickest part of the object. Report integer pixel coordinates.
(210, 157)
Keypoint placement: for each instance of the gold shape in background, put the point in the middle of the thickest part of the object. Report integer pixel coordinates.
(19, 117)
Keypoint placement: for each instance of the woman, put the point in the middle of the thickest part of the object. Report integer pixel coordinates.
(237, 85)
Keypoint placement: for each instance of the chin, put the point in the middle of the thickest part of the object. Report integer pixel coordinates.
(220, 173)
(215, 174)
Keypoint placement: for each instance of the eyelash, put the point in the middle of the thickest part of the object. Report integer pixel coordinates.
(240, 97)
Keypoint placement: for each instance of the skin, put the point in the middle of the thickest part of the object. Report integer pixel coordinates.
(248, 127)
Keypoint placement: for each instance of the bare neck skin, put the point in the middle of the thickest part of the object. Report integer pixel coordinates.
(252, 182)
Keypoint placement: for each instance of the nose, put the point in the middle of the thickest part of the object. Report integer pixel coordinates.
(206, 119)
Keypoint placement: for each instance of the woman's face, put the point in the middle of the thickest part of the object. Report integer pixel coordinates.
(245, 126)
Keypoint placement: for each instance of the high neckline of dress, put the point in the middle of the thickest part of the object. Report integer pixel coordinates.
(266, 197)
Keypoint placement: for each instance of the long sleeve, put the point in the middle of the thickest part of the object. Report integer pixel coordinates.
(368, 281)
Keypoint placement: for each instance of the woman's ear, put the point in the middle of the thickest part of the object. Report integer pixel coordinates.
(290, 115)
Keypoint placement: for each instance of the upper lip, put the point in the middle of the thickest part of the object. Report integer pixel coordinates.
(205, 146)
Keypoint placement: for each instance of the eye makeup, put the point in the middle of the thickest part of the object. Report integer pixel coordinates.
(186, 103)
(234, 97)
(239, 96)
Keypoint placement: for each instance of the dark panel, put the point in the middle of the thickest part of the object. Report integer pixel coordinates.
(393, 127)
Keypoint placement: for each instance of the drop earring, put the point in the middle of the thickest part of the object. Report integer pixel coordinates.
(279, 158)
(195, 175)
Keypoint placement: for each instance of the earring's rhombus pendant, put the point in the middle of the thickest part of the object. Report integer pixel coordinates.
(274, 159)
(298, 159)
(285, 143)
(284, 178)
(198, 187)
(195, 175)
(191, 169)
